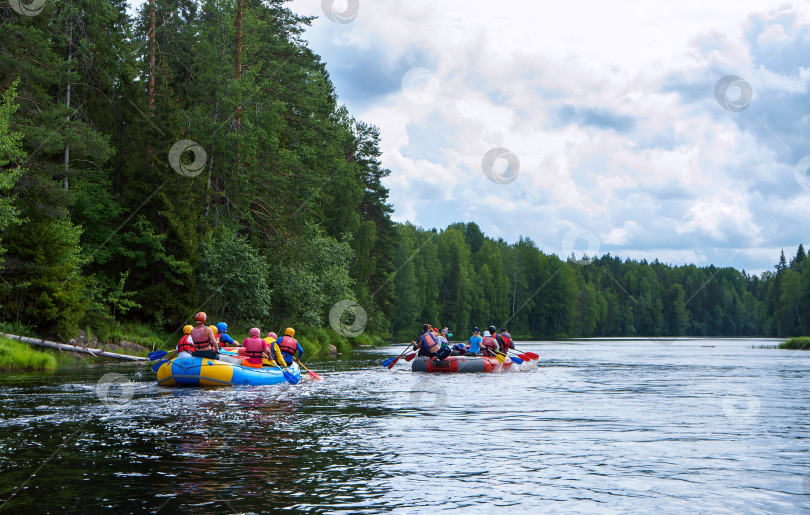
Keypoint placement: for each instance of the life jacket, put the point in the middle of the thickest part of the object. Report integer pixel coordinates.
(430, 346)
(254, 347)
(489, 343)
(200, 338)
(507, 342)
(184, 345)
(288, 345)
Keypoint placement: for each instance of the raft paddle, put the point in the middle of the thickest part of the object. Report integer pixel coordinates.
(157, 354)
(312, 374)
(410, 356)
(288, 375)
(390, 361)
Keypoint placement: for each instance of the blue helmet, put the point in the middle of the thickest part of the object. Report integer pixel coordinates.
(222, 327)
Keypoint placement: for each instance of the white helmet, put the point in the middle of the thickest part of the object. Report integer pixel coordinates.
(486, 333)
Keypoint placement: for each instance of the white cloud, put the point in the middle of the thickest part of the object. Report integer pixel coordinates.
(610, 108)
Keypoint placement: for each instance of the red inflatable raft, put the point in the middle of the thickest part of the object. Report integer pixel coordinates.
(457, 364)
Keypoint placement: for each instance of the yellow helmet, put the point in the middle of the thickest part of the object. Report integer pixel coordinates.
(289, 332)
(213, 328)
(187, 329)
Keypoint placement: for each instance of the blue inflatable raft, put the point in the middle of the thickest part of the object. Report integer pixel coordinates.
(212, 372)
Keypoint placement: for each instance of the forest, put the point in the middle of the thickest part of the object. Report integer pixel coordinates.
(196, 157)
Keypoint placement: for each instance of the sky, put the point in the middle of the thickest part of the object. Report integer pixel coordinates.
(669, 130)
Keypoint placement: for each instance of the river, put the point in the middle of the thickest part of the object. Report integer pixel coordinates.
(602, 426)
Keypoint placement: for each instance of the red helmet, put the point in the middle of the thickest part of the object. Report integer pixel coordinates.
(200, 317)
(254, 332)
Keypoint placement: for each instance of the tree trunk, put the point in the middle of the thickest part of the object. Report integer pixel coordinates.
(67, 104)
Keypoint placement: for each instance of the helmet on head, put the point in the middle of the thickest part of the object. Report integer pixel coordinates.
(272, 335)
(486, 333)
(213, 328)
(289, 332)
(223, 327)
(492, 329)
(187, 329)
(254, 332)
(201, 317)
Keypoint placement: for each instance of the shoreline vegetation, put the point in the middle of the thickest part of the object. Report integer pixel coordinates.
(797, 343)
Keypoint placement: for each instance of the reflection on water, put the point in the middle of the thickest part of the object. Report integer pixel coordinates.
(598, 426)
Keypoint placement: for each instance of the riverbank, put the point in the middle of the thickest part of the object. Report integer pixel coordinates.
(798, 343)
(21, 356)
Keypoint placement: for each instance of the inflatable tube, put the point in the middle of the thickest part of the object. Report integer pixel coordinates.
(459, 364)
(212, 372)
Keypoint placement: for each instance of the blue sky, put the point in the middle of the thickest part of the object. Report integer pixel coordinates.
(610, 107)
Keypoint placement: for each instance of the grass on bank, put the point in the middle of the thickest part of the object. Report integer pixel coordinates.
(15, 355)
(798, 343)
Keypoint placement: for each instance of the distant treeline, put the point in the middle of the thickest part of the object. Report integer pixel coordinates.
(274, 208)
(459, 277)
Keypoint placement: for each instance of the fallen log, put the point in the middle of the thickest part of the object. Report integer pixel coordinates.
(73, 348)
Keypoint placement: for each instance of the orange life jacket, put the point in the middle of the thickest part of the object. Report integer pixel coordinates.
(288, 345)
(429, 342)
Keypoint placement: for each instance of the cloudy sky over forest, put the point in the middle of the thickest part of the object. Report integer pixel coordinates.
(621, 133)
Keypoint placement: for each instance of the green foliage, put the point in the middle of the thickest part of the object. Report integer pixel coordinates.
(15, 355)
(10, 152)
(798, 343)
(233, 279)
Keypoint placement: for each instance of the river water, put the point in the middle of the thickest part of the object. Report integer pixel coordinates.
(602, 426)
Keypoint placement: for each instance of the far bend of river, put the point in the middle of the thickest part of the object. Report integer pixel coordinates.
(604, 426)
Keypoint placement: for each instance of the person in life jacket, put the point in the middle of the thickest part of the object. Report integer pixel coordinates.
(256, 349)
(184, 347)
(216, 334)
(475, 343)
(224, 338)
(205, 343)
(285, 347)
(505, 341)
(427, 344)
(489, 344)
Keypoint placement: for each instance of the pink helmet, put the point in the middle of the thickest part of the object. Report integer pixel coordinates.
(272, 335)
(254, 332)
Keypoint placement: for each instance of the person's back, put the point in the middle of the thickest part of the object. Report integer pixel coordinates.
(489, 344)
(255, 349)
(185, 346)
(475, 342)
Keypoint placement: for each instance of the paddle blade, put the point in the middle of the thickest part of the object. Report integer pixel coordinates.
(392, 363)
(410, 356)
(516, 360)
(389, 361)
(157, 365)
(533, 355)
(290, 377)
(500, 357)
(157, 354)
(315, 375)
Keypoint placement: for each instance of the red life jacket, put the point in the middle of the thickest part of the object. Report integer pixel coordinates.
(200, 337)
(430, 346)
(288, 345)
(507, 342)
(183, 345)
(254, 347)
(489, 343)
